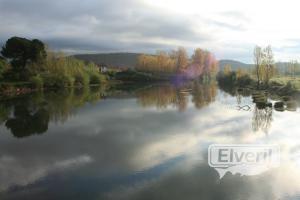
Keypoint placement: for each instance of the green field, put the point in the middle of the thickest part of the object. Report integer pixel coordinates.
(283, 80)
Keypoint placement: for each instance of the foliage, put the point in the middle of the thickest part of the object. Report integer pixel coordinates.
(3, 67)
(58, 81)
(227, 69)
(132, 75)
(181, 59)
(62, 71)
(97, 78)
(37, 82)
(234, 78)
(30, 61)
(81, 79)
(20, 52)
(202, 63)
(264, 65)
(161, 63)
(284, 80)
(205, 62)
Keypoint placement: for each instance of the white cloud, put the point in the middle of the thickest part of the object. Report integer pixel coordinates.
(229, 28)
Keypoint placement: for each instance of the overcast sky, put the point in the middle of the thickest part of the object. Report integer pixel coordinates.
(230, 28)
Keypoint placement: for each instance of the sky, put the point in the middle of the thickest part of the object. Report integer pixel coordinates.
(230, 29)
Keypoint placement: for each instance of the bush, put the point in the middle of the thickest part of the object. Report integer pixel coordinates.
(245, 80)
(37, 82)
(82, 79)
(131, 75)
(97, 78)
(3, 67)
(58, 81)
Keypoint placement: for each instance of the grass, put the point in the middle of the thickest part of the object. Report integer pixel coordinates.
(284, 80)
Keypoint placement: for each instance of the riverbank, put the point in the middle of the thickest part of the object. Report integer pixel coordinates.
(280, 86)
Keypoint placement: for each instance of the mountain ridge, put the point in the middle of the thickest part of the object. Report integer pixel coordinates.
(129, 60)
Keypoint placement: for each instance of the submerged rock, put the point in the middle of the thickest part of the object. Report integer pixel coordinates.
(279, 104)
(291, 105)
(263, 105)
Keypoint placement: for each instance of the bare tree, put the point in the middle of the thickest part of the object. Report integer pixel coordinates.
(258, 63)
(268, 64)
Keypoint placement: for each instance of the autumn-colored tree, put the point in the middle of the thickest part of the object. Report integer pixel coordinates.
(227, 69)
(181, 59)
(203, 63)
(240, 72)
(268, 64)
(160, 63)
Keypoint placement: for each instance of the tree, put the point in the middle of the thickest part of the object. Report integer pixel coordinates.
(292, 68)
(21, 51)
(268, 64)
(227, 69)
(3, 66)
(205, 62)
(258, 63)
(240, 73)
(181, 58)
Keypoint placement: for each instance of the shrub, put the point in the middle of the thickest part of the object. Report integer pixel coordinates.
(37, 82)
(96, 78)
(132, 75)
(245, 80)
(58, 81)
(82, 79)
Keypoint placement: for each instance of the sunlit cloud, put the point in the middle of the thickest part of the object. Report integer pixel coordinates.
(230, 29)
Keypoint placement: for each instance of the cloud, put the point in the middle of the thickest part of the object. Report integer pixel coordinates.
(149, 25)
(96, 25)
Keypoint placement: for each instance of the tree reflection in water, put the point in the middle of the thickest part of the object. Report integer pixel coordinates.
(262, 119)
(26, 122)
(31, 114)
(162, 96)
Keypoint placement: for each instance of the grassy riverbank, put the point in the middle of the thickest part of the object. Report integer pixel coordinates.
(280, 85)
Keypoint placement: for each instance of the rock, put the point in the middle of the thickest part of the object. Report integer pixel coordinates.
(280, 109)
(286, 98)
(291, 105)
(269, 104)
(279, 104)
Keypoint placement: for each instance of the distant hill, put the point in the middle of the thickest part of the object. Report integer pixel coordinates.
(234, 64)
(281, 66)
(130, 59)
(111, 59)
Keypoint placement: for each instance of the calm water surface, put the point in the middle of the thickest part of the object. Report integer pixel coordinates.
(141, 143)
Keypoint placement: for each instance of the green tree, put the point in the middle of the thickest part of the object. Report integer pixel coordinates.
(3, 66)
(20, 52)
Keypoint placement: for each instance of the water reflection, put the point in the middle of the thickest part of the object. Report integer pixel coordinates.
(26, 122)
(264, 104)
(162, 96)
(31, 114)
(134, 144)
